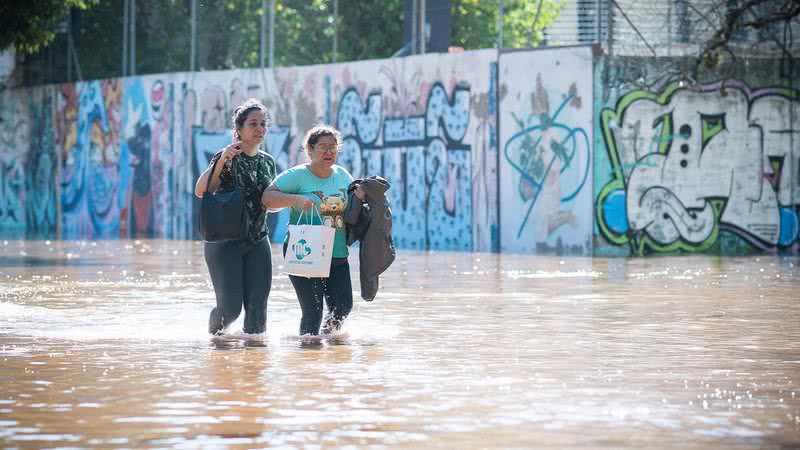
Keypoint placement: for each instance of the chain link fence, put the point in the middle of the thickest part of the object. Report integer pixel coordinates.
(135, 37)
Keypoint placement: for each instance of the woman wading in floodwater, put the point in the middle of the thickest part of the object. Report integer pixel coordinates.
(241, 270)
(320, 181)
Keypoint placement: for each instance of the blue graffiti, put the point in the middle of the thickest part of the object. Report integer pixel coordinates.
(566, 149)
(40, 169)
(11, 191)
(615, 212)
(442, 115)
(205, 146)
(493, 144)
(88, 183)
(789, 226)
(424, 159)
(138, 143)
(363, 123)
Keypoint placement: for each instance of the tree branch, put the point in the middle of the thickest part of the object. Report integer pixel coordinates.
(535, 21)
(774, 38)
(734, 22)
(634, 27)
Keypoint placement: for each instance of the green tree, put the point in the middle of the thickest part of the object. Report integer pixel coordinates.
(29, 25)
(474, 22)
(367, 32)
(228, 32)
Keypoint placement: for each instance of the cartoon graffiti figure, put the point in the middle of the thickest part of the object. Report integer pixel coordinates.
(689, 163)
(139, 147)
(138, 143)
(552, 160)
(90, 179)
(112, 95)
(66, 119)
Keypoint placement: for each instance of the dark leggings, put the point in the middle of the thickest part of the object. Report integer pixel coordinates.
(241, 272)
(336, 289)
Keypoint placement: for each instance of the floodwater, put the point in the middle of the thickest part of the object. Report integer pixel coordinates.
(103, 345)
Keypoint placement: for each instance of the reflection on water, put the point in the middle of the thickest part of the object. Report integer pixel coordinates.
(103, 344)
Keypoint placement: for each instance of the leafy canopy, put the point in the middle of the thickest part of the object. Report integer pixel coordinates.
(29, 25)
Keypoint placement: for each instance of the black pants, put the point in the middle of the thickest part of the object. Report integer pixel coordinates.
(241, 272)
(337, 291)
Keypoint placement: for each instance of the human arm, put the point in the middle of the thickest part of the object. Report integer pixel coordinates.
(228, 153)
(273, 199)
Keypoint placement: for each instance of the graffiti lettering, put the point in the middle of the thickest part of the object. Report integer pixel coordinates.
(690, 164)
(425, 160)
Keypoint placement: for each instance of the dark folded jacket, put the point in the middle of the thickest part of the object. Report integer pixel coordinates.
(370, 224)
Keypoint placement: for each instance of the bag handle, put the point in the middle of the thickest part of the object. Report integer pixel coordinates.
(303, 212)
(233, 167)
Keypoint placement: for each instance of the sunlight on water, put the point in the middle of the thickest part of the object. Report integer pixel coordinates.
(103, 344)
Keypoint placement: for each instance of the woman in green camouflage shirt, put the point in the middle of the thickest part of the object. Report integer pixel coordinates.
(241, 271)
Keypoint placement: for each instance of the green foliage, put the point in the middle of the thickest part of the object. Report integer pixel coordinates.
(228, 32)
(368, 32)
(29, 25)
(474, 22)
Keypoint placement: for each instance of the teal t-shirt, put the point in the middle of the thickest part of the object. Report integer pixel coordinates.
(330, 194)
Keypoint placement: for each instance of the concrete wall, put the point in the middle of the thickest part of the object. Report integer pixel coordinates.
(707, 167)
(548, 151)
(545, 162)
(119, 157)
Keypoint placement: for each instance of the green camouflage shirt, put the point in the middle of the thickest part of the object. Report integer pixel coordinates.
(253, 175)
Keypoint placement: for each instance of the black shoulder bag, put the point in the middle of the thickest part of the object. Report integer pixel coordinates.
(223, 216)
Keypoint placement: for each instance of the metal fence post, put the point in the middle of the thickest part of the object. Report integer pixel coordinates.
(335, 28)
(125, 19)
(500, 25)
(263, 40)
(133, 37)
(69, 48)
(192, 49)
(414, 22)
(272, 33)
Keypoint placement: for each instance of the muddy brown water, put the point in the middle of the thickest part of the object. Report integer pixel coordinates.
(103, 345)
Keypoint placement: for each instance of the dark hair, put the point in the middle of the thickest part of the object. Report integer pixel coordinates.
(242, 111)
(318, 131)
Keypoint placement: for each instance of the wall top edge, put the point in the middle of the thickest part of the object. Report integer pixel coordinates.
(335, 65)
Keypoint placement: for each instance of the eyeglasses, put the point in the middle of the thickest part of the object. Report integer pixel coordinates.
(326, 149)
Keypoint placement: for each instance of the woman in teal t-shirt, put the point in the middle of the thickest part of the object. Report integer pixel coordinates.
(323, 184)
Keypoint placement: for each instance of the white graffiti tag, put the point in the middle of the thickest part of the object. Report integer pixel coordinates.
(723, 144)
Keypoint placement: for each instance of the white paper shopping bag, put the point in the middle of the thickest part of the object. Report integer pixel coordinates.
(309, 250)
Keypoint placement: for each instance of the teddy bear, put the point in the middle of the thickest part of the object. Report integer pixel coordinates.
(332, 207)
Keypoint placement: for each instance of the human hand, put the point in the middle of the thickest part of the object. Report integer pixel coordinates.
(231, 151)
(359, 191)
(303, 202)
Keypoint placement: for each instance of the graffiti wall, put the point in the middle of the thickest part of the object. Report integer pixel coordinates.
(545, 137)
(695, 167)
(426, 124)
(551, 151)
(119, 157)
(28, 162)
